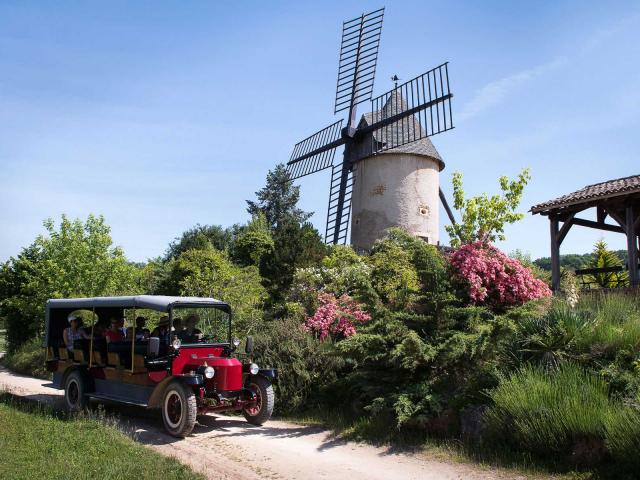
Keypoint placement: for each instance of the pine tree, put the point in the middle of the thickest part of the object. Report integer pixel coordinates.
(605, 258)
(278, 200)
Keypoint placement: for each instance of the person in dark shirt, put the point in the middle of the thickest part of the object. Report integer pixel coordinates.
(191, 334)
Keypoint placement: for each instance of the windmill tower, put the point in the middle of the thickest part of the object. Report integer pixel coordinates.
(389, 172)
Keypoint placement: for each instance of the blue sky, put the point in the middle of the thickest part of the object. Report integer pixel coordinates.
(160, 115)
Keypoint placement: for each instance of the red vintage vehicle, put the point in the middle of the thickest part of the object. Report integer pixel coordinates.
(184, 372)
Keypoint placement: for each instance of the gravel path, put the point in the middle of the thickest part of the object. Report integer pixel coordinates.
(224, 447)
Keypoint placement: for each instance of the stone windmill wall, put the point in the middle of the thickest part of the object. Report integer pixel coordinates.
(397, 188)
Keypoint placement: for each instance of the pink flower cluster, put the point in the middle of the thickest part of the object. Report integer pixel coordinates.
(494, 278)
(335, 317)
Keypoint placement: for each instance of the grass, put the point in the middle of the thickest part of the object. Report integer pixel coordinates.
(615, 325)
(3, 340)
(566, 415)
(38, 443)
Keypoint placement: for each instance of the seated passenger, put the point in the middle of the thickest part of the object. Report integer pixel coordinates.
(162, 330)
(177, 326)
(114, 334)
(191, 334)
(73, 331)
(121, 327)
(142, 333)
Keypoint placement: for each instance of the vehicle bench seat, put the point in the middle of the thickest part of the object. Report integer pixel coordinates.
(119, 353)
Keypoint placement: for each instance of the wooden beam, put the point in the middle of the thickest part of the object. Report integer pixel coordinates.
(632, 251)
(566, 226)
(600, 226)
(615, 216)
(555, 255)
(601, 214)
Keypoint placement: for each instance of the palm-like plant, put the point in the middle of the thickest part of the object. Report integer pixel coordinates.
(549, 340)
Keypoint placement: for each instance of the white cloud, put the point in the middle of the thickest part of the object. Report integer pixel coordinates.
(494, 92)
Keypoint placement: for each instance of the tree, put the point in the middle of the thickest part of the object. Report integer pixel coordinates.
(296, 243)
(210, 273)
(483, 216)
(200, 237)
(278, 200)
(296, 246)
(77, 259)
(253, 242)
(605, 258)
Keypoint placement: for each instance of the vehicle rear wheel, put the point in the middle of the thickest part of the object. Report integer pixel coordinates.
(264, 406)
(75, 399)
(179, 409)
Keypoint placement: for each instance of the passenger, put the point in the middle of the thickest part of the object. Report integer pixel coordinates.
(162, 330)
(73, 331)
(142, 333)
(100, 328)
(114, 334)
(121, 327)
(191, 334)
(177, 326)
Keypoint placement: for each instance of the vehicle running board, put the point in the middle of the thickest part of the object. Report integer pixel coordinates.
(114, 398)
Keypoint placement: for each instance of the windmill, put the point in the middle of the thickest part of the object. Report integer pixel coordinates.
(387, 154)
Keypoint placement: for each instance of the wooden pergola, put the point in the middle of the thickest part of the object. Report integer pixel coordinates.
(617, 199)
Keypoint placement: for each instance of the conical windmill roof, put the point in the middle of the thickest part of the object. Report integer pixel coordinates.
(404, 129)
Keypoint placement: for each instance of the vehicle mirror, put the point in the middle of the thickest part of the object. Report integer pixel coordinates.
(248, 347)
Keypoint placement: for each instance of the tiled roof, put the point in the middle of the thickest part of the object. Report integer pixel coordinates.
(611, 188)
(402, 129)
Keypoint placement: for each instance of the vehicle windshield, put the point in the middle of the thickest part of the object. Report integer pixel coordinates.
(201, 325)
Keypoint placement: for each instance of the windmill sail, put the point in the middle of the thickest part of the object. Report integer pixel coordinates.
(414, 110)
(358, 59)
(316, 152)
(339, 211)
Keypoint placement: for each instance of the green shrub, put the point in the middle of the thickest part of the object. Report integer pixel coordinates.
(305, 365)
(555, 411)
(29, 359)
(550, 339)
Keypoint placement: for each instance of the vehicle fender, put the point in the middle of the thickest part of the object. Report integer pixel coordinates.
(269, 373)
(85, 375)
(155, 400)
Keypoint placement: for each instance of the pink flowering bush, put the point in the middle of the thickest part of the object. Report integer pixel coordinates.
(493, 278)
(335, 317)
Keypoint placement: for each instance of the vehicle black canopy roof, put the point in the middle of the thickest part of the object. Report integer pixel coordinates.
(160, 303)
(57, 309)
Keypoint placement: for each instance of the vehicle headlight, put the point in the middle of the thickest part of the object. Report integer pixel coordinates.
(209, 372)
(254, 369)
(235, 341)
(176, 343)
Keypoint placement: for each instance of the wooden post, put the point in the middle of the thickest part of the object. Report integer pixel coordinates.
(555, 254)
(631, 247)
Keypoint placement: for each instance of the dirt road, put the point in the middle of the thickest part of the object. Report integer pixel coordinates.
(228, 448)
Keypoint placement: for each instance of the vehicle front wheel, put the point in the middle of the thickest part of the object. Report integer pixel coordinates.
(264, 406)
(75, 399)
(179, 410)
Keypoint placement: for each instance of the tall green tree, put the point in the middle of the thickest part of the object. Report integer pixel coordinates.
(253, 242)
(296, 242)
(278, 200)
(605, 258)
(74, 259)
(210, 273)
(200, 237)
(484, 216)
